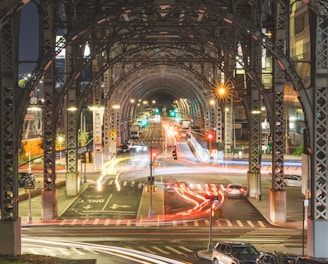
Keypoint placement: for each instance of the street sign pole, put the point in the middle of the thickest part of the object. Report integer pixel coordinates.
(210, 246)
(150, 213)
(211, 198)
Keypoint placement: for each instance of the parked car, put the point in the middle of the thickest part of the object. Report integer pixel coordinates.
(234, 253)
(311, 260)
(26, 179)
(235, 191)
(276, 258)
(293, 180)
(124, 148)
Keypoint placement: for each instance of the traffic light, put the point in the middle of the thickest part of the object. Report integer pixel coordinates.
(174, 155)
(83, 157)
(209, 136)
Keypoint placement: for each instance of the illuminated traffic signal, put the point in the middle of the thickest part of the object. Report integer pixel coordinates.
(153, 155)
(174, 155)
(209, 136)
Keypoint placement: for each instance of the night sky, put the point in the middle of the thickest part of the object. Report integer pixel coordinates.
(28, 38)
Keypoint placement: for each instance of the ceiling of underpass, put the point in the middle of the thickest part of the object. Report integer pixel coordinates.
(164, 48)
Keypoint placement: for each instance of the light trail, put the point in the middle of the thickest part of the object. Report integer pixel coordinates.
(131, 254)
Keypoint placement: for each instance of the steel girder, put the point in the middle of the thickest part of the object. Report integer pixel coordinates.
(319, 141)
(50, 112)
(320, 7)
(8, 122)
(72, 113)
(277, 116)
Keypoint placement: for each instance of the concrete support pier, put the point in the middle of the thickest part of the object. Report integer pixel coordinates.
(278, 207)
(49, 205)
(254, 184)
(10, 239)
(72, 183)
(317, 238)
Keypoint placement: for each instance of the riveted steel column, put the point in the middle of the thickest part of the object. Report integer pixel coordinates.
(254, 173)
(49, 192)
(72, 175)
(217, 122)
(228, 119)
(318, 222)
(107, 130)
(278, 193)
(10, 223)
(98, 111)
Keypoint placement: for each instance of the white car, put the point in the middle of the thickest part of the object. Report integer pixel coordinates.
(293, 180)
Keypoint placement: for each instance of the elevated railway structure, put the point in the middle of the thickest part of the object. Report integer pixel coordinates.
(178, 50)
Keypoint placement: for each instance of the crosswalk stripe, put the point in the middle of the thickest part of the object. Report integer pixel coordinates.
(239, 223)
(196, 223)
(185, 223)
(218, 223)
(228, 222)
(96, 221)
(147, 250)
(107, 222)
(49, 252)
(110, 182)
(174, 250)
(129, 222)
(77, 251)
(118, 222)
(207, 222)
(186, 249)
(250, 223)
(261, 223)
(160, 250)
(73, 222)
(174, 223)
(64, 251)
(125, 183)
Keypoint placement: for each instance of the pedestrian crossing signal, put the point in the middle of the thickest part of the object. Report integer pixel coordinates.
(150, 180)
(83, 157)
(174, 155)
